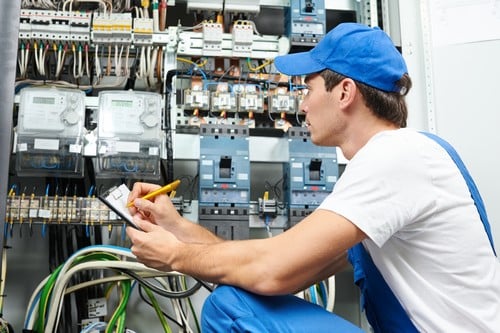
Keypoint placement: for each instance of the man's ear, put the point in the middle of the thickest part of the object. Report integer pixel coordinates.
(348, 91)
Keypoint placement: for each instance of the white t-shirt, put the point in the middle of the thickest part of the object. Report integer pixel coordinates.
(424, 232)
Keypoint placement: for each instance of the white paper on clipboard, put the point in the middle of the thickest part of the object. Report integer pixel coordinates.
(116, 199)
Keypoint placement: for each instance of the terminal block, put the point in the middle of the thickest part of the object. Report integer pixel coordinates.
(268, 208)
(32, 209)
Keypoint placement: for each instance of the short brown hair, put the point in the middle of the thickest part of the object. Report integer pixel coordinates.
(390, 106)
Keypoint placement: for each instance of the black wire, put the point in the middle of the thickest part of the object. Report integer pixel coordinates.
(160, 291)
(147, 301)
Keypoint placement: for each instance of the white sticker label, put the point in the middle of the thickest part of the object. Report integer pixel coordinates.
(97, 307)
(47, 144)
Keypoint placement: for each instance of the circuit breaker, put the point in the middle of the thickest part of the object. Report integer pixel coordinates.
(310, 174)
(224, 184)
(305, 22)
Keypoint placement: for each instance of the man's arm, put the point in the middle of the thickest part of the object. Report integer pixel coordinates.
(307, 253)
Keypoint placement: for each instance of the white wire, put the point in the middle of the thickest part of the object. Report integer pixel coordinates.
(180, 315)
(80, 62)
(55, 83)
(115, 278)
(61, 55)
(33, 305)
(118, 61)
(26, 60)
(54, 312)
(331, 294)
(142, 64)
(37, 61)
(127, 53)
(3, 277)
(101, 2)
(97, 64)
(74, 64)
(20, 61)
(99, 326)
(152, 66)
(114, 250)
(87, 68)
(60, 283)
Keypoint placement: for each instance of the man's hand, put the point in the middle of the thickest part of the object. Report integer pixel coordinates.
(159, 210)
(154, 245)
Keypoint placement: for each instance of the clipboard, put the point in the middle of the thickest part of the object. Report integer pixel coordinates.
(116, 199)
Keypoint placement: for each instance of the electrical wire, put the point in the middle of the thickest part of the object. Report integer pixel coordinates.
(90, 259)
(3, 277)
(162, 291)
(158, 311)
(143, 297)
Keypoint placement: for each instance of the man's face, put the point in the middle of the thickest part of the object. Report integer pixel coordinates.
(323, 118)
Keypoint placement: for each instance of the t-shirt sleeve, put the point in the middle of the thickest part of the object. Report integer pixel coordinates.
(381, 191)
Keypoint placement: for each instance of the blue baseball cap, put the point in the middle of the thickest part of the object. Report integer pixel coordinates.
(357, 51)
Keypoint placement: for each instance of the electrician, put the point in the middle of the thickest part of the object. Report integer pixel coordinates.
(402, 212)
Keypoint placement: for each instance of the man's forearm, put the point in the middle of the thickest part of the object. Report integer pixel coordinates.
(191, 232)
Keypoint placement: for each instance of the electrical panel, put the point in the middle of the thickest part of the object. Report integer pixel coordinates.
(111, 92)
(310, 174)
(224, 180)
(50, 132)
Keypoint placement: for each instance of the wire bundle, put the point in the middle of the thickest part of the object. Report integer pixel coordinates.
(44, 309)
(321, 293)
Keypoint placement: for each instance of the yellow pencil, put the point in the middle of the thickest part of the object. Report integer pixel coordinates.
(162, 190)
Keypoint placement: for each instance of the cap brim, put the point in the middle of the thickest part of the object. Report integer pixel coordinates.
(297, 64)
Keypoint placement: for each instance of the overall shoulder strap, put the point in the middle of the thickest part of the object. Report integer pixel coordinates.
(478, 201)
(383, 310)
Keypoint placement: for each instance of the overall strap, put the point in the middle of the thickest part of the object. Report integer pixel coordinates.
(478, 201)
(383, 310)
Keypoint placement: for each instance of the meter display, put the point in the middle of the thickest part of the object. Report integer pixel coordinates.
(51, 110)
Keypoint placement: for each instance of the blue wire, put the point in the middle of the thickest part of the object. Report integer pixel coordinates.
(323, 293)
(91, 190)
(312, 291)
(32, 308)
(196, 68)
(124, 234)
